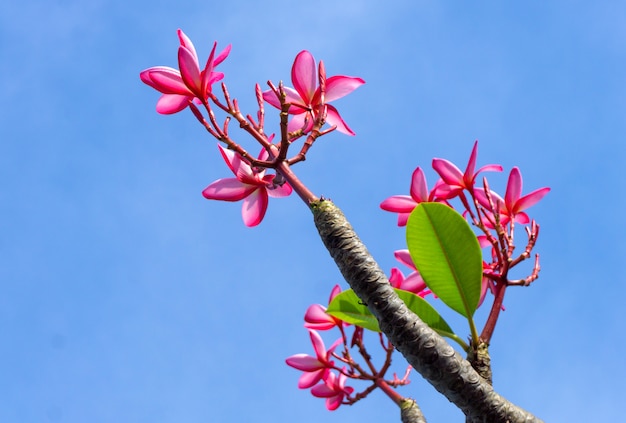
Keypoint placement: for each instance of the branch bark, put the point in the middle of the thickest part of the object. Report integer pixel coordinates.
(410, 412)
(425, 350)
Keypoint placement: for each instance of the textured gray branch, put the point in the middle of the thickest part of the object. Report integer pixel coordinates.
(410, 412)
(425, 350)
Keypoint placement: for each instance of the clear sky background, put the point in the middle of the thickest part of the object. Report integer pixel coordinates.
(125, 296)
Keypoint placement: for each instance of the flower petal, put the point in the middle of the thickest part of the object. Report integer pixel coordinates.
(318, 345)
(301, 121)
(404, 257)
(279, 191)
(304, 362)
(254, 207)
(450, 174)
(333, 119)
(165, 80)
(311, 378)
(190, 72)
(172, 103)
(317, 318)
(419, 190)
(228, 189)
(468, 176)
(413, 283)
(304, 76)
(339, 86)
(513, 188)
(186, 42)
(222, 56)
(531, 199)
(207, 75)
(399, 204)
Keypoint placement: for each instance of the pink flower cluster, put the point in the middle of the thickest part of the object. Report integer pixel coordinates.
(485, 208)
(191, 84)
(321, 368)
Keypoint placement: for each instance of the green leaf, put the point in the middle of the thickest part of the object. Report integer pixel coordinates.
(349, 308)
(447, 254)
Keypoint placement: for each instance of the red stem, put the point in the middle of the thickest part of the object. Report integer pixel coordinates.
(391, 393)
(496, 307)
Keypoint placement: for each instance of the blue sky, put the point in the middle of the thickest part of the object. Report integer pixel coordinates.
(127, 297)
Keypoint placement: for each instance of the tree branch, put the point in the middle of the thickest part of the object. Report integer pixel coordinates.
(410, 412)
(426, 351)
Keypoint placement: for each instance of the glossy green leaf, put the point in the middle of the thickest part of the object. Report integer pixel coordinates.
(446, 252)
(349, 308)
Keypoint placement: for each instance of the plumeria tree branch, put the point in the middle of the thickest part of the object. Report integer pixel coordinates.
(303, 111)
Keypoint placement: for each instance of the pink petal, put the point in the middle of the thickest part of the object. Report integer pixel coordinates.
(186, 42)
(304, 362)
(190, 71)
(413, 283)
(450, 174)
(172, 103)
(483, 201)
(254, 207)
(522, 218)
(490, 168)
(279, 191)
(531, 199)
(207, 75)
(471, 165)
(165, 80)
(404, 257)
(323, 391)
(300, 122)
(513, 188)
(318, 345)
(223, 55)
(228, 189)
(333, 119)
(291, 97)
(317, 318)
(334, 292)
(396, 278)
(340, 86)
(419, 190)
(304, 76)
(403, 218)
(309, 379)
(228, 156)
(398, 204)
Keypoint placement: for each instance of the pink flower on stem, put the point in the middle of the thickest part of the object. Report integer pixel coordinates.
(511, 207)
(414, 282)
(317, 318)
(314, 368)
(251, 185)
(305, 96)
(404, 204)
(334, 389)
(181, 87)
(456, 181)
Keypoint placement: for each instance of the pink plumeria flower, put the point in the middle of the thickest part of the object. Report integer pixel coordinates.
(305, 96)
(414, 282)
(314, 368)
(405, 204)
(334, 389)
(317, 318)
(456, 181)
(181, 87)
(513, 204)
(251, 185)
